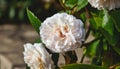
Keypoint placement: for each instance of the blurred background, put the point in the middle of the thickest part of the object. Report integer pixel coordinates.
(15, 10)
(15, 29)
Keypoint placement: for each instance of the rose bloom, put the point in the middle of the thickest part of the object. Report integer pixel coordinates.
(102, 4)
(37, 57)
(62, 32)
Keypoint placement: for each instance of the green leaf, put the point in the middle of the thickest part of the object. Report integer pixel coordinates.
(70, 3)
(107, 23)
(96, 19)
(81, 66)
(93, 24)
(83, 17)
(76, 3)
(81, 4)
(116, 16)
(34, 20)
(96, 22)
(111, 39)
(92, 48)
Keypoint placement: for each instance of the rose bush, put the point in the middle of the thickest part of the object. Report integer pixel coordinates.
(65, 31)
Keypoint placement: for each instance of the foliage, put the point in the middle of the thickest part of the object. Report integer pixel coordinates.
(82, 66)
(103, 25)
(34, 20)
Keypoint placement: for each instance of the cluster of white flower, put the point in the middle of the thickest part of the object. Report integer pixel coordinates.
(37, 57)
(62, 32)
(105, 4)
(59, 33)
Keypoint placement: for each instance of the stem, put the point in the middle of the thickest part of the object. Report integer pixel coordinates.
(67, 58)
(82, 59)
(55, 57)
(88, 33)
(63, 5)
(73, 57)
(70, 57)
(87, 13)
(86, 44)
(72, 10)
(87, 23)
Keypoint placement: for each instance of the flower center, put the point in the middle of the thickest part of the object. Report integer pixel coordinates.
(60, 33)
(41, 64)
(66, 29)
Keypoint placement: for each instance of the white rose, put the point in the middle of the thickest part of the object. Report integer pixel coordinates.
(62, 32)
(37, 57)
(108, 4)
